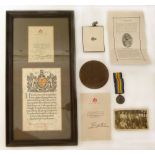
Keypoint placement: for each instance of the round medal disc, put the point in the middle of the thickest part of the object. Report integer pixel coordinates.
(120, 99)
(94, 74)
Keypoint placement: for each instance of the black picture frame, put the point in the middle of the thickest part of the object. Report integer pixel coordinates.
(10, 16)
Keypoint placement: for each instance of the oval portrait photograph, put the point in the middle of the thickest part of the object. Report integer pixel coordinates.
(127, 40)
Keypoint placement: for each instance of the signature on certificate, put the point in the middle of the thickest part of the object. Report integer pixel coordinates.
(96, 125)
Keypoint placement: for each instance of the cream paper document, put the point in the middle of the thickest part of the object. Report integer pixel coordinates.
(41, 99)
(40, 44)
(127, 40)
(95, 116)
(93, 38)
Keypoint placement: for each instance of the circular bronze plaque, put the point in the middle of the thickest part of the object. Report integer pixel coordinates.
(120, 99)
(94, 74)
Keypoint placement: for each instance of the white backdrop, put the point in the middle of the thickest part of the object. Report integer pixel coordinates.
(139, 80)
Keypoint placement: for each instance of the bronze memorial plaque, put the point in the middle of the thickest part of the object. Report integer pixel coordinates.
(94, 74)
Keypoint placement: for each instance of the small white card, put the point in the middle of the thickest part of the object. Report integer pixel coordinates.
(95, 116)
(93, 38)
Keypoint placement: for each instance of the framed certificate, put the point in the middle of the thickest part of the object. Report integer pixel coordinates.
(40, 81)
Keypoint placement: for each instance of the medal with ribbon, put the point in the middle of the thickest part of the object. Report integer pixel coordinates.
(119, 87)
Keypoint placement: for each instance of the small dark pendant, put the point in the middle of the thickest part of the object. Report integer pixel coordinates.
(120, 99)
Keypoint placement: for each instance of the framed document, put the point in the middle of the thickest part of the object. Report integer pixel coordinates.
(40, 82)
(93, 38)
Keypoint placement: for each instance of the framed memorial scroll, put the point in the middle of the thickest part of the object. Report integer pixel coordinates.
(40, 86)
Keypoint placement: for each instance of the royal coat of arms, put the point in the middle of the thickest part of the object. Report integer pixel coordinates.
(42, 82)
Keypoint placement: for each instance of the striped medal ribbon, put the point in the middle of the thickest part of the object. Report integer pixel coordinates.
(119, 87)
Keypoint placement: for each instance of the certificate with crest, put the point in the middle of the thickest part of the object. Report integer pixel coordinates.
(95, 116)
(41, 98)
